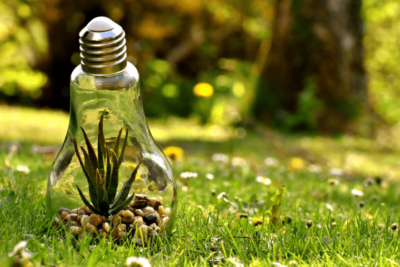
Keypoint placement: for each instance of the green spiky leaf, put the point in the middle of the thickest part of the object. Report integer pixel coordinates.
(116, 146)
(124, 192)
(90, 149)
(89, 166)
(92, 189)
(87, 203)
(109, 168)
(123, 205)
(103, 204)
(121, 155)
(101, 146)
(112, 189)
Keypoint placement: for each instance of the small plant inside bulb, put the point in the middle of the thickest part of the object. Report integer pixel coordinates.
(132, 215)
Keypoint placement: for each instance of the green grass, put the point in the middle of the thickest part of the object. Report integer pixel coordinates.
(208, 230)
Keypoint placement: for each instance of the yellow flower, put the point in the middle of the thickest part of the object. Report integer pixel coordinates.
(203, 90)
(173, 152)
(296, 164)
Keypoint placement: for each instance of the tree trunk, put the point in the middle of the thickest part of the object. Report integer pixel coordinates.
(314, 77)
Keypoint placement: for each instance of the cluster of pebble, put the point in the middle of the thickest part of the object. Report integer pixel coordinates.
(141, 219)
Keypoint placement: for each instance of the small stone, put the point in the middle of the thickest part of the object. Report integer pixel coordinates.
(90, 227)
(116, 220)
(102, 233)
(103, 218)
(164, 224)
(148, 210)
(138, 221)
(123, 227)
(154, 228)
(116, 233)
(158, 218)
(131, 209)
(143, 232)
(139, 212)
(106, 226)
(75, 211)
(167, 212)
(63, 215)
(164, 211)
(95, 219)
(68, 218)
(82, 212)
(139, 201)
(154, 202)
(84, 207)
(79, 218)
(150, 218)
(76, 230)
(60, 211)
(84, 220)
(56, 221)
(127, 213)
(128, 220)
(130, 227)
(73, 216)
(88, 211)
(138, 242)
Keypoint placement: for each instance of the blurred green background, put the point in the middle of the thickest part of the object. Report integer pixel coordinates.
(224, 68)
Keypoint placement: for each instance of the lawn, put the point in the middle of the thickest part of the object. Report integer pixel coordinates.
(313, 201)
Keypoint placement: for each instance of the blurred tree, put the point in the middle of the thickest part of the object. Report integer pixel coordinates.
(314, 78)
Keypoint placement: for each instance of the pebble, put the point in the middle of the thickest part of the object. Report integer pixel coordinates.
(90, 227)
(106, 226)
(154, 202)
(139, 212)
(68, 218)
(143, 232)
(116, 220)
(63, 215)
(95, 220)
(116, 233)
(60, 211)
(138, 221)
(102, 233)
(148, 210)
(103, 218)
(139, 201)
(128, 220)
(164, 211)
(84, 220)
(76, 230)
(73, 216)
(56, 221)
(158, 219)
(74, 211)
(127, 213)
(150, 218)
(82, 212)
(138, 242)
(123, 227)
(164, 224)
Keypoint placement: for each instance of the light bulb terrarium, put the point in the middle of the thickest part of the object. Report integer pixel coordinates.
(109, 178)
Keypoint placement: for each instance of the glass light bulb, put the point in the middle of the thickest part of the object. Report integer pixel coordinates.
(105, 84)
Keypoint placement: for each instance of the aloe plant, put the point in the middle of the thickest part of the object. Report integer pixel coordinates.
(102, 172)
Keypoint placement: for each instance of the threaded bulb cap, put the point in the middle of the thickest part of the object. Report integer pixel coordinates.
(103, 47)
